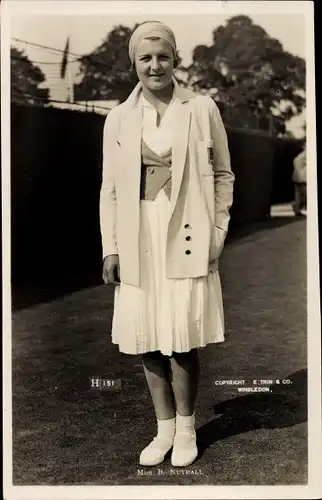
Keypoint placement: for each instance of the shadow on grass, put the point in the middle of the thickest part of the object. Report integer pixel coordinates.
(237, 231)
(284, 407)
(28, 294)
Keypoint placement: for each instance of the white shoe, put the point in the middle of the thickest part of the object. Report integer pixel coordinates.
(185, 449)
(155, 452)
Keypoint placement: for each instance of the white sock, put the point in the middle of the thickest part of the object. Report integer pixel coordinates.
(185, 423)
(166, 428)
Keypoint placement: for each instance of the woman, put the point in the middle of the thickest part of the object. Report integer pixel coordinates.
(164, 210)
(299, 180)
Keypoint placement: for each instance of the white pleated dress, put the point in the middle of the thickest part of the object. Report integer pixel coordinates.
(166, 315)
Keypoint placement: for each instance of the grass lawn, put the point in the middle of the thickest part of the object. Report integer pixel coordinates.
(65, 432)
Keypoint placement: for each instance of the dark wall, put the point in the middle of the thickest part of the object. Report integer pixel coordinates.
(55, 182)
(252, 160)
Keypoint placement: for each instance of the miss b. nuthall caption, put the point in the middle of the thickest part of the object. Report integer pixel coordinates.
(170, 472)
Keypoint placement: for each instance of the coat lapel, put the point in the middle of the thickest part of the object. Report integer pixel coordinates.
(131, 145)
(131, 138)
(179, 151)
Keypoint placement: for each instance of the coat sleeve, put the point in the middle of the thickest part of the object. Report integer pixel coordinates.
(224, 177)
(108, 199)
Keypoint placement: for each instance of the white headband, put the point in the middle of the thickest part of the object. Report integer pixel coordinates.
(151, 29)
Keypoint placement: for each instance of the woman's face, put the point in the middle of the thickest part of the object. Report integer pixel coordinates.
(154, 63)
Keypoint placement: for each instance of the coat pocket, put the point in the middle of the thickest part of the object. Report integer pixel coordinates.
(217, 245)
(205, 157)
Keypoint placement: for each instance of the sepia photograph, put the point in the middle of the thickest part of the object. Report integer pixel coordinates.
(161, 299)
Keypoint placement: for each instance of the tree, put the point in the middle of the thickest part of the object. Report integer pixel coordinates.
(106, 72)
(250, 75)
(26, 79)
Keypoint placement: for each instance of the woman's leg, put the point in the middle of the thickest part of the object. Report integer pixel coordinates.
(303, 196)
(185, 379)
(297, 200)
(185, 370)
(156, 368)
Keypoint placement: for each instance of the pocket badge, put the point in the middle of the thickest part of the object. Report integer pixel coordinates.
(211, 156)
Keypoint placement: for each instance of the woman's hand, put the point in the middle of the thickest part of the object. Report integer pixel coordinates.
(220, 237)
(111, 270)
(219, 241)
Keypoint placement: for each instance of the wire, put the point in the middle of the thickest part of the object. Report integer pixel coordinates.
(44, 46)
(78, 56)
(48, 100)
(38, 98)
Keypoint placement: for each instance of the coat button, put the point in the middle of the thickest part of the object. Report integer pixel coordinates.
(188, 238)
(186, 226)
(151, 170)
(188, 252)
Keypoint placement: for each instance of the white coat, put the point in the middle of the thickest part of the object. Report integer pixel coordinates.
(201, 195)
(299, 171)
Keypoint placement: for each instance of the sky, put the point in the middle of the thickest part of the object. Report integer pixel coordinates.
(87, 32)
